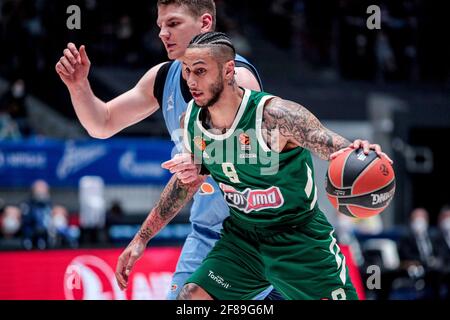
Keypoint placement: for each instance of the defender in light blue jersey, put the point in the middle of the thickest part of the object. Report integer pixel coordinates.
(162, 86)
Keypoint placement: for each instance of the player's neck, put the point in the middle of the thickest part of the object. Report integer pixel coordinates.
(223, 113)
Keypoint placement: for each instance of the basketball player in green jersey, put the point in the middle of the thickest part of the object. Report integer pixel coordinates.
(256, 147)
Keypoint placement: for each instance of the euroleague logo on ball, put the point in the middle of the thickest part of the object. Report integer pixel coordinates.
(384, 170)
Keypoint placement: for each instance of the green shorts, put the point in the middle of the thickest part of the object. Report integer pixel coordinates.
(301, 262)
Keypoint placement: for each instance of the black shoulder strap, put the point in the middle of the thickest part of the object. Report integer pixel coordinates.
(160, 81)
(185, 89)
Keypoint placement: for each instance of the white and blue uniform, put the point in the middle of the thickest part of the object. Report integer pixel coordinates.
(209, 208)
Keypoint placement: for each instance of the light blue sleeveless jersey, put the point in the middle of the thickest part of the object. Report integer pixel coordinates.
(209, 208)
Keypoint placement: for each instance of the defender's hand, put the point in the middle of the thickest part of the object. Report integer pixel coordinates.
(73, 67)
(184, 167)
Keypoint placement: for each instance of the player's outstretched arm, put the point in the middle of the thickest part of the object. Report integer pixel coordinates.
(173, 198)
(104, 119)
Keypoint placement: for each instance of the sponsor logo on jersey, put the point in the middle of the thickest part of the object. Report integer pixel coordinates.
(200, 143)
(378, 198)
(206, 189)
(252, 200)
(247, 156)
(218, 279)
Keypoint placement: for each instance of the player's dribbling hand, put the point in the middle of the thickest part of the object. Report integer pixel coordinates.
(365, 145)
(74, 65)
(126, 261)
(183, 167)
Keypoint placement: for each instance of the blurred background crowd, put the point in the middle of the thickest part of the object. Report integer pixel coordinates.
(390, 85)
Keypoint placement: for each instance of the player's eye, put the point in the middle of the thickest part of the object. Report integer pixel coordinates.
(200, 71)
(173, 24)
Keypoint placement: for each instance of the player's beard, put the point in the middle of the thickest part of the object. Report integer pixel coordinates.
(215, 90)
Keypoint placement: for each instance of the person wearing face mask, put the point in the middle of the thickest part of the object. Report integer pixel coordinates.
(60, 232)
(37, 216)
(10, 222)
(443, 250)
(417, 249)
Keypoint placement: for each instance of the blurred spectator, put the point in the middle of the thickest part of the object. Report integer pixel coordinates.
(369, 226)
(443, 249)
(18, 107)
(9, 130)
(417, 246)
(11, 221)
(37, 216)
(13, 104)
(115, 214)
(92, 209)
(240, 42)
(417, 250)
(125, 37)
(385, 56)
(114, 217)
(444, 235)
(345, 232)
(60, 232)
(280, 16)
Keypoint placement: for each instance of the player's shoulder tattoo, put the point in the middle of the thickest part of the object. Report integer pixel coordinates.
(298, 125)
(284, 115)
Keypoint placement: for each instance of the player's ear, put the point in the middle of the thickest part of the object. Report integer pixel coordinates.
(207, 22)
(229, 70)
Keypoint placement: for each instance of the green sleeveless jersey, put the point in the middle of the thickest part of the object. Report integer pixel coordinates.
(261, 186)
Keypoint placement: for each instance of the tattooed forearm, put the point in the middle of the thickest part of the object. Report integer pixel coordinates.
(292, 122)
(185, 293)
(173, 198)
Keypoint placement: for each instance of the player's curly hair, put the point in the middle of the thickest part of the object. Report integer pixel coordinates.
(196, 7)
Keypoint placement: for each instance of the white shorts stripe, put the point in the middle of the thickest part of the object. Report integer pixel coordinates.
(340, 262)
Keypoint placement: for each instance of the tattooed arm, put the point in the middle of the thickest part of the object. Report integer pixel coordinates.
(287, 124)
(174, 197)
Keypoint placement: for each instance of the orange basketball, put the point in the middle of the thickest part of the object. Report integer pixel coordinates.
(360, 185)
